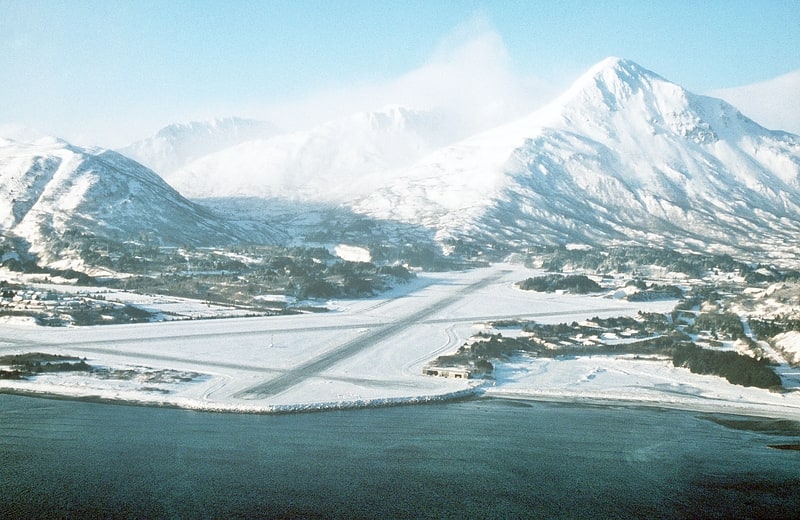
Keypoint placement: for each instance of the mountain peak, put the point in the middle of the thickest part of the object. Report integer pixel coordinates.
(623, 155)
(213, 127)
(620, 69)
(617, 64)
(614, 79)
(51, 189)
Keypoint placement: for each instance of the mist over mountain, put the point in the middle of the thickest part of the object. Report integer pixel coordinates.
(333, 162)
(176, 145)
(54, 195)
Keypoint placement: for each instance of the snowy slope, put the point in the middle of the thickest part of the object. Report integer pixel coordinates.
(335, 161)
(176, 145)
(49, 189)
(623, 155)
(789, 344)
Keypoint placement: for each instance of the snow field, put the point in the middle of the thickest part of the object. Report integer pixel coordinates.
(651, 382)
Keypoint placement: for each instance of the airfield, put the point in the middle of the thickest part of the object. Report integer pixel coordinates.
(365, 353)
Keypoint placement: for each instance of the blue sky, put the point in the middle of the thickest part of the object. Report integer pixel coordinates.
(107, 72)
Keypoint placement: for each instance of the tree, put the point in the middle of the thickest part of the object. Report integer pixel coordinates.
(484, 366)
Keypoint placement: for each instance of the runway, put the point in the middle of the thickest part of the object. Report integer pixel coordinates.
(313, 367)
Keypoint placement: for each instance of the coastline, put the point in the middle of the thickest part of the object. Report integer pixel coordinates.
(711, 406)
(263, 409)
(718, 406)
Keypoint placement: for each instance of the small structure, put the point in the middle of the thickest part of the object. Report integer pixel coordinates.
(449, 372)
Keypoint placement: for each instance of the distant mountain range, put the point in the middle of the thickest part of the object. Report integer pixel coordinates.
(624, 156)
(335, 161)
(176, 145)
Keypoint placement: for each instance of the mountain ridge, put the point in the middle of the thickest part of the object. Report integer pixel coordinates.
(329, 162)
(767, 102)
(52, 193)
(176, 145)
(624, 156)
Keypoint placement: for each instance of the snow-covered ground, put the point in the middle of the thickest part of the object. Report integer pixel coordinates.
(646, 382)
(367, 352)
(164, 308)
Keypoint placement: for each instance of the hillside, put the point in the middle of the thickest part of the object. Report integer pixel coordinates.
(55, 198)
(623, 157)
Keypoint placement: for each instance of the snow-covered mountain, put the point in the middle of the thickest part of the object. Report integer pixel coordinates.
(335, 161)
(52, 192)
(176, 145)
(623, 156)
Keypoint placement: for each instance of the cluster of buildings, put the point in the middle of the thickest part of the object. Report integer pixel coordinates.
(48, 306)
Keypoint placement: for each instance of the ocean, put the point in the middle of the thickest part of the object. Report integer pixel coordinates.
(483, 458)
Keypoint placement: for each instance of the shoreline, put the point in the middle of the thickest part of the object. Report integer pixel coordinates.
(269, 409)
(749, 409)
(720, 406)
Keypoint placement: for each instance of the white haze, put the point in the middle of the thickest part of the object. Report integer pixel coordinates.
(774, 103)
(469, 75)
(19, 133)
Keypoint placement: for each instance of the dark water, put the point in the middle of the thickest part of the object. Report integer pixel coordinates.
(477, 459)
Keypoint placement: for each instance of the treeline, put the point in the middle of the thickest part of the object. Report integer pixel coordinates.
(736, 368)
(479, 353)
(653, 291)
(578, 284)
(581, 284)
(239, 277)
(32, 363)
(427, 255)
(628, 259)
(725, 325)
(109, 316)
(651, 335)
(647, 325)
(144, 254)
(697, 296)
(767, 328)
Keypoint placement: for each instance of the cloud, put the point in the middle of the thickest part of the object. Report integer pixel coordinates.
(19, 133)
(469, 73)
(771, 103)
